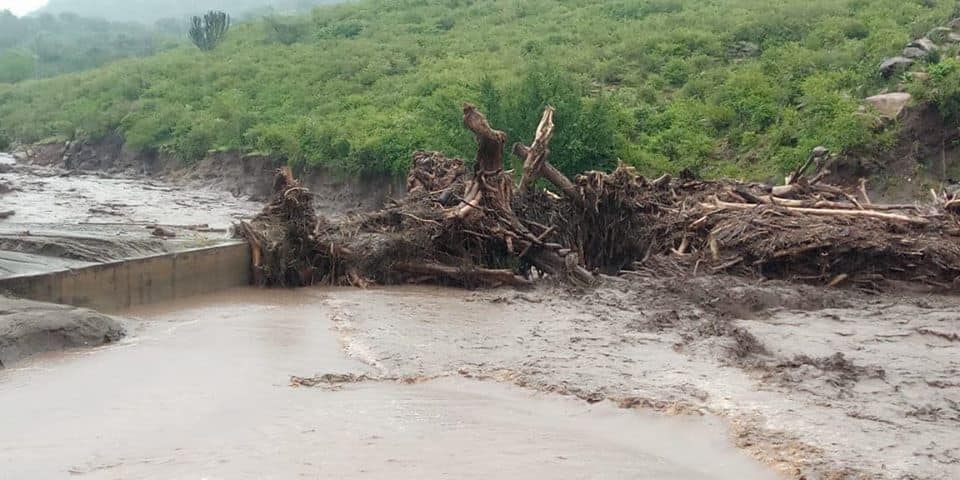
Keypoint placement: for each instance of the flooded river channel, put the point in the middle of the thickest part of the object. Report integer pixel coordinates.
(654, 376)
(201, 389)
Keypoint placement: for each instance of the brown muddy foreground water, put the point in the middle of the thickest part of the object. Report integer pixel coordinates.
(201, 389)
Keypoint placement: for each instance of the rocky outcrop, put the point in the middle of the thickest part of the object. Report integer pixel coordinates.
(890, 105)
(893, 65)
(924, 44)
(922, 48)
(940, 34)
(914, 53)
(743, 50)
(28, 328)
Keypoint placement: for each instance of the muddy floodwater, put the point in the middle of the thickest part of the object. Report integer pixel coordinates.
(50, 195)
(58, 219)
(201, 389)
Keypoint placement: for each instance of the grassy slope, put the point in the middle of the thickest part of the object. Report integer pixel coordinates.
(657, 83)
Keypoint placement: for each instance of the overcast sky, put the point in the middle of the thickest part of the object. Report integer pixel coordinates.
(20, 7)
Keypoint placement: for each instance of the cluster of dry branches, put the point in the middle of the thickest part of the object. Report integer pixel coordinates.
(485, 228)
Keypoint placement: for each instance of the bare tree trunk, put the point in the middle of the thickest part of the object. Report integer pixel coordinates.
(536, 165)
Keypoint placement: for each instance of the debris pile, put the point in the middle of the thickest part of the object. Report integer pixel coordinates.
(486, 229)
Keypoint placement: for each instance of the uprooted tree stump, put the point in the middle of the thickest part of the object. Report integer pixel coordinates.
(451, 228)
(479, 228)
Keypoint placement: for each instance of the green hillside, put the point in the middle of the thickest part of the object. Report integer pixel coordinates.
(736, 87)
(149, 11)
(48, 45)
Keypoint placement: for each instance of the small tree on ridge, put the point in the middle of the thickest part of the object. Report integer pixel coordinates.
(207, 32)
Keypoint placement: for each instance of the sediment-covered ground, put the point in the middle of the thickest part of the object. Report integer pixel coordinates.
(28, 328)
(202, 389)
(649, 377)
(816, 383)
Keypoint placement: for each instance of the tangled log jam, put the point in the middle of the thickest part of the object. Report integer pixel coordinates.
(483, 229)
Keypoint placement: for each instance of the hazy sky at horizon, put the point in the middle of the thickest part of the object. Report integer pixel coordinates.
(20, 7)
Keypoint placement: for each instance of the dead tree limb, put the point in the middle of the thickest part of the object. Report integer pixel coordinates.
(827, 212)
(485, 275)
(536, 164)
(535, 155)
(490, 142)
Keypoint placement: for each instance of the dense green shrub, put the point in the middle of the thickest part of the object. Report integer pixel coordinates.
(943, 88)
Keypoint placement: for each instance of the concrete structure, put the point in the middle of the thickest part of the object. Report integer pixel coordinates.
(123, 284)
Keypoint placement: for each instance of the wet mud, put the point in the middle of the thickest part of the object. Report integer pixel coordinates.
(815, 383)
(29, 328)
(808, 382)
(207, 388)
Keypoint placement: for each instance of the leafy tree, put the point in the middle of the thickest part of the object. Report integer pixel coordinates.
(16, 65)
(207, 32)
(286, 31)
(47, 45)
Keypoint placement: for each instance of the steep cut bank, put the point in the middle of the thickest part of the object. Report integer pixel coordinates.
(925, 155)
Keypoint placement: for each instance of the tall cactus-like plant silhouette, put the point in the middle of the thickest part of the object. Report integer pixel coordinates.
(208, 31)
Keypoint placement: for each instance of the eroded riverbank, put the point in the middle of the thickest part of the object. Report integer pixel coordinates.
(202, 389)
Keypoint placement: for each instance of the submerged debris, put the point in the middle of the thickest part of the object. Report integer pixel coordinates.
(482, 229)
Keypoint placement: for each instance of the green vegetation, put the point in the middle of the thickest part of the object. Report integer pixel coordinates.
(208, 31)
(48, 45)
(723, 87)
(942, 88)
(149, 11)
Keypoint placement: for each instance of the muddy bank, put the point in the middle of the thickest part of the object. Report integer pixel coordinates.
(817, 383)
(925, 155)
(244, 175)
(28, 328)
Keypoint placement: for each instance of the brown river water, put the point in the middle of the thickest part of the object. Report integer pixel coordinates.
(49, 195)
(201, 390)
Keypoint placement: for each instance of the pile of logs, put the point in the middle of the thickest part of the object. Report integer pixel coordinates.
(487, 228)
(809, 231)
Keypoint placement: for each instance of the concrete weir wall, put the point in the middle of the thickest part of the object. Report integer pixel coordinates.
(141, 281)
